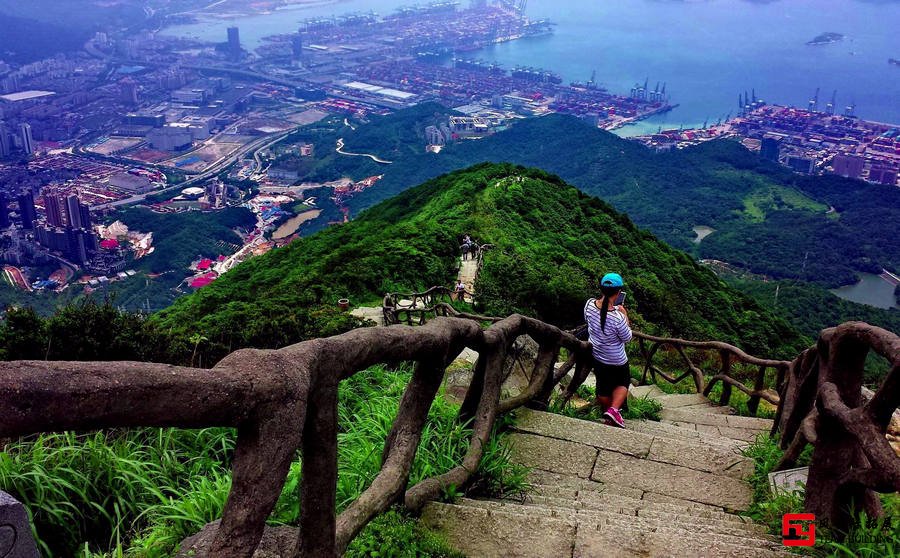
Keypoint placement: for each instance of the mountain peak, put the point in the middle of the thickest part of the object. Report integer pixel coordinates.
(551, 243)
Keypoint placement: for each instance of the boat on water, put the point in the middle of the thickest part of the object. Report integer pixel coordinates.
(894, 61)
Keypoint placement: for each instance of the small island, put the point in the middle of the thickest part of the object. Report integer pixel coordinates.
(826, 39)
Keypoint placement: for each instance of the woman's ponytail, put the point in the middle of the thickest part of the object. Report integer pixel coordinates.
(604, 309)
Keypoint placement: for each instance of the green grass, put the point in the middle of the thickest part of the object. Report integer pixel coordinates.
(301, 207)
(868, 538)
(396, 535)
(104, 487)
(140, 492)
(770, 197)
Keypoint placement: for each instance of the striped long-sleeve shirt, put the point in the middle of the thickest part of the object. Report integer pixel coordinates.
(608, 345)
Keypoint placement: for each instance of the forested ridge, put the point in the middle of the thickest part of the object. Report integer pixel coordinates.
(766, 218)
(551, 243)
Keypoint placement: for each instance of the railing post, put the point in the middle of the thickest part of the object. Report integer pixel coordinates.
(643, 348)
(838, 451)
(725, 399)
(318, 487)
(476, 386)
(543, 365)
(758, 386)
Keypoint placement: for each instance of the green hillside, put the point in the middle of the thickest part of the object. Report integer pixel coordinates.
(766, 218)
(810, 308)
(551, 243)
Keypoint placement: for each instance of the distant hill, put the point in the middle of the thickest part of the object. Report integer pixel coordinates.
(551, 244)
(26, 40)
(766, 218)
(35, 29)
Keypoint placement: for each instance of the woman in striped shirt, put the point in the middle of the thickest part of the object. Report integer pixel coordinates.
(608, 331)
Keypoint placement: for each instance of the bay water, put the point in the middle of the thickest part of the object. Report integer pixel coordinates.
(707, 52)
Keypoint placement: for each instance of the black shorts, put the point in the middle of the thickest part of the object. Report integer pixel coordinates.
(611, 376)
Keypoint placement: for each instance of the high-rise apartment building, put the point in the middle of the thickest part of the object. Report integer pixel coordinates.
(54, 208)
(27, 212)
(5, 146)
(128, 92)
(234, 42)
(27, 138)
(4, 212)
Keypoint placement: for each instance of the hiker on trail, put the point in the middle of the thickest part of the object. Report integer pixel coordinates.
(460, 290)
(608, 331)
(465, 251)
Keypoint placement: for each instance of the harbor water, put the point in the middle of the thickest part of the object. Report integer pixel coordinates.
(707, 53)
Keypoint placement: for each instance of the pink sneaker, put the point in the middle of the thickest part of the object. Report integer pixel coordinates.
(614, 418)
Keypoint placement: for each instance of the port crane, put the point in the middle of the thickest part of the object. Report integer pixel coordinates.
(829, 108)
(814, 102)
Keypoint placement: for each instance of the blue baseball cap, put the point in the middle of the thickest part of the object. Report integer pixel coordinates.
(612, 280)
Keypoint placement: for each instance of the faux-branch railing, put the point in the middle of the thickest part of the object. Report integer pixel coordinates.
(821, 404)
(818, 401)
(285, 400)
(729, 355)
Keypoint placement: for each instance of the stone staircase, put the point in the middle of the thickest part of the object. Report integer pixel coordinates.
(669, 488)
(468, 271)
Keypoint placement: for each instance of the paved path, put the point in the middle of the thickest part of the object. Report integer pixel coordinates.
(468, 270)
(340, 149)
(670, 488)
(374, 313)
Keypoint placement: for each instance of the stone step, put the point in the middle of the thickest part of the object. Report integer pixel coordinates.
(482, 533)
(686, 432)
(672, 480)
(599, 540)
(675, 400)
(539, 478)
(694, 454)
(374, 313)
(498, 532)
(750, 423)
(742, 429)
(651, 390)
(648, 501)
(708, 408)
(630, 506)
(642, 517)
(743, 436)
(588, 462)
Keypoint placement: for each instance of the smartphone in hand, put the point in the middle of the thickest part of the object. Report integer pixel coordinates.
(620, 300)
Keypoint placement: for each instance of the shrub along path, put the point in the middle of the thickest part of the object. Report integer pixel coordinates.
(670, 488)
